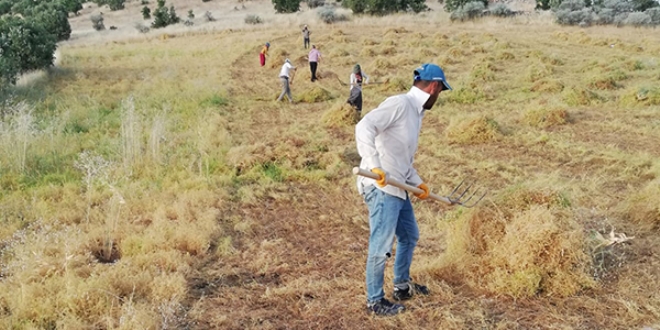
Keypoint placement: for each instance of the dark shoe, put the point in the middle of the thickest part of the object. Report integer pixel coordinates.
(413, 289)
(384, 307)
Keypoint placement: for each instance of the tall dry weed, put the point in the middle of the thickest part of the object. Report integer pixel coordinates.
(523, 244)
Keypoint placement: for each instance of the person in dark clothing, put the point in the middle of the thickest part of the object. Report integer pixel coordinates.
(314, 59)
(357, 79)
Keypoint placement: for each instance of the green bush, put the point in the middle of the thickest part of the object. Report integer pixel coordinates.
(209, 17)
(654, 13)
(470, 10)
(501, 10)
(642, 5)
(163, 16)
(453, 5)
(253, 19)
(146, 12)
(97, 22)
(582, 16)
(638, 19)
(72, 6)
(315, 3)
(328, 15)
(191, 15)
(384, 7)
(286, 6)
(5, 7)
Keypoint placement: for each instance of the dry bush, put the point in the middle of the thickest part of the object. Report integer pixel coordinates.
(386, 50)
(538, 71)
(326, 74)
(340, 39)
(545, 117)
(473, 130)
(395, 84)
(368, 42)
(607, 82)
(581, 96)
(547, 85)
(313, 95)
(642, 208)
(641, 96)
(465, 95)
(246, 156)
(382, 64)
(524, 243)
(455, 52)
(340, 115)
(276, 59)
(396, 30)
(483, 71)
(338, 52)
(368, 52)
(427, 52)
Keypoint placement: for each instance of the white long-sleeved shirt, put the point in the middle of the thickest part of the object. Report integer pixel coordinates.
(286, 68)
(353, 80)
(387, 138)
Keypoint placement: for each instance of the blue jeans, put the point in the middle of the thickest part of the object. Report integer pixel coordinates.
(388, 216)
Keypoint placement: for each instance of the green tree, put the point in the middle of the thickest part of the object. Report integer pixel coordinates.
(72, 6)
(286, 6)
(53, 18)
(5, 7)
(25, 45)
(384, 7)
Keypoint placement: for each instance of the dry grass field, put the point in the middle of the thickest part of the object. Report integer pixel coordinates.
(151, 181)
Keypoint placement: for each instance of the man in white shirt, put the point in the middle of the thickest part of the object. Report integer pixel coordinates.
(286, 80)
(387, 141)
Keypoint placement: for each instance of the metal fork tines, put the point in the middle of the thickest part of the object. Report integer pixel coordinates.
(464, 193)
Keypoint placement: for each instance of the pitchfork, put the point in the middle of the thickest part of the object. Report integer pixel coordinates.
(462, 195)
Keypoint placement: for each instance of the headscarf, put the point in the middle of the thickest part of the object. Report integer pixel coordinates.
(268, 44)
(357, 69)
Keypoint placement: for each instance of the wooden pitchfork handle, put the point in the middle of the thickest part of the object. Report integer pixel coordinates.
(394, 182)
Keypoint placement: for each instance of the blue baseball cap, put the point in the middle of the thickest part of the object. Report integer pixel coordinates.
(431, 72)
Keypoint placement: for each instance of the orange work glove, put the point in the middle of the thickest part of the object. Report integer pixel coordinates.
(382, 180)
(426, 192)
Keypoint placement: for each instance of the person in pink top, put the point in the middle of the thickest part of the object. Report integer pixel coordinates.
(314, 58)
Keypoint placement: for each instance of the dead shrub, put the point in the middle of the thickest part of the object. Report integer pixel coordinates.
(396, 84)
(455, 52)
(522, 244)
(505, 56)
(641, 96)
(473, 130)
(386, 51)
(538, 71)
(581, 96)
(368, 42)
(543, 117)
(547, 85)
(383, 64)
(340, 115)
(483, 71)
(608, 81)
(396, 30)
(643, 208)
(316, 94)
(276, 59)
(368, 52)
